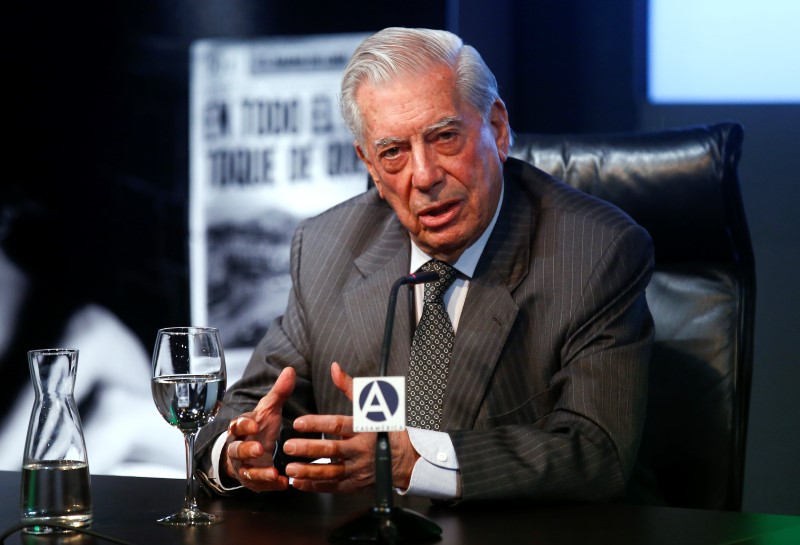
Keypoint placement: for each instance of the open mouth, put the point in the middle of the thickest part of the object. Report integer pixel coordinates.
(439, 215)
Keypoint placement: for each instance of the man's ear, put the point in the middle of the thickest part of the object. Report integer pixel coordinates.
(370, 168)
(498, 120)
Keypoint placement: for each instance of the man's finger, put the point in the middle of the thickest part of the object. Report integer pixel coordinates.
(313, 448)
(316, 471)
(330, 424)
(245, 450)
(342, 380)
(262, 479)
(277, 395)
(243, 425)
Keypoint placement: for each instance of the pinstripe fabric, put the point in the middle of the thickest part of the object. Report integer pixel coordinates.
(546, 392)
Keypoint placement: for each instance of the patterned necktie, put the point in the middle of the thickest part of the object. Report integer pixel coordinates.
(431, 349)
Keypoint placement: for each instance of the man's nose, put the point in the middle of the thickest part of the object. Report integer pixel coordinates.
(426, 170)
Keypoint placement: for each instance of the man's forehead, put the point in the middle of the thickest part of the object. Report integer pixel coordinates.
(410, 83)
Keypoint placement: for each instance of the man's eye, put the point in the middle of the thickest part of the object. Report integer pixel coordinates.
(447, 136)
(390, 153)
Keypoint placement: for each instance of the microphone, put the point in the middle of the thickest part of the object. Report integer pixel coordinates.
(385, 523)
(421, 278)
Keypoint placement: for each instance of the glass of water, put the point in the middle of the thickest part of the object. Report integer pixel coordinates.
(188, 384)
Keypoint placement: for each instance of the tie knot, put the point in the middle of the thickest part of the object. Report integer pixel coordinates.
(447, 275)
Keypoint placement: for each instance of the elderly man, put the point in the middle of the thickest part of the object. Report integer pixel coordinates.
(538, 388)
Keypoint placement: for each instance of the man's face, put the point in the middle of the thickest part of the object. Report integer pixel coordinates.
(434, 159)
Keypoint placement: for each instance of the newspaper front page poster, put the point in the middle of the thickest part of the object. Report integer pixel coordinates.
(268, 149)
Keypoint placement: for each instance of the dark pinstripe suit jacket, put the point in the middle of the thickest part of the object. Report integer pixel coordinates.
(546, 391)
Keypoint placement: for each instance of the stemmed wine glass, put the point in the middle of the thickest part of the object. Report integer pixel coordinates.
(188, 384)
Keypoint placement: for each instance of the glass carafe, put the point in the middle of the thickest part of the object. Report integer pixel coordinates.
(55, 493)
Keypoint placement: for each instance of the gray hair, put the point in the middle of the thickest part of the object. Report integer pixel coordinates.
(396, 51)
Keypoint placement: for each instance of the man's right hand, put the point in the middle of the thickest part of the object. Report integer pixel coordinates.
(247, 456)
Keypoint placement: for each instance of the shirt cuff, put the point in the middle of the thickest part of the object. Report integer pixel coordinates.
(435, 475)
(214, 472)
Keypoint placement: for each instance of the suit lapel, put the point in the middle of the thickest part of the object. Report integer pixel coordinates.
(489, 310)
(366, 297)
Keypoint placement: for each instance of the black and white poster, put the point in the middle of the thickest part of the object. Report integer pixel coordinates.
(268, 149)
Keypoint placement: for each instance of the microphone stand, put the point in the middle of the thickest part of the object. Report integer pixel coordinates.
(384, 523)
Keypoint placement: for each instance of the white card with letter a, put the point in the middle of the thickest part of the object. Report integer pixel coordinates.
(379, 404)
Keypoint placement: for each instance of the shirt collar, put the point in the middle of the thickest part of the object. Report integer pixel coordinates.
(468, 261)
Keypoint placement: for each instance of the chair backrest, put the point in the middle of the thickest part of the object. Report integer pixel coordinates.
(682, 186)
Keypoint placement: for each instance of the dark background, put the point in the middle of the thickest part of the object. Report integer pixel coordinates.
(95, 125)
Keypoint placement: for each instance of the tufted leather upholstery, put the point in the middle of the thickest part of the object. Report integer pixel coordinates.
(682, 186)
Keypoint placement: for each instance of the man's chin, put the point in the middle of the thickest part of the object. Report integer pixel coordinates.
(442, 248)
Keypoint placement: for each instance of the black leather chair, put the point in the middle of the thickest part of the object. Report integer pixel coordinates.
(682, 186)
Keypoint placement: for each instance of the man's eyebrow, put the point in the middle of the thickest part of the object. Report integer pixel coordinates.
(445, 122)
(388, 141)
(394, 140)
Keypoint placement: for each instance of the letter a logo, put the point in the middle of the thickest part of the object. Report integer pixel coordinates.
(378, 401)
(378, 404)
